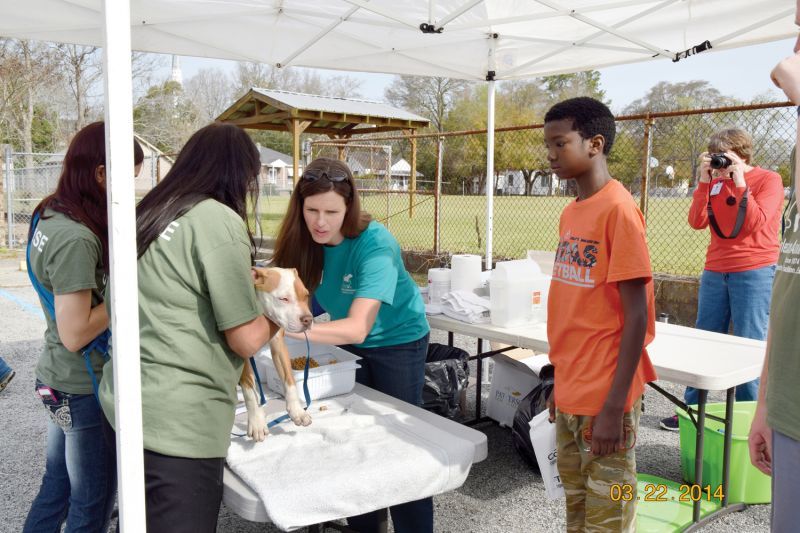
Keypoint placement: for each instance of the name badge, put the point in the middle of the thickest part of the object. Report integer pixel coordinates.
(716, 188)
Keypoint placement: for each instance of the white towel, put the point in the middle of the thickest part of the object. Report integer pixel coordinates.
(356, 457)
(466, 306)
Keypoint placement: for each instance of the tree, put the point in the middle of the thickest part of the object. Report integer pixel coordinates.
(165, 117)
(28, 73)
(432, 97)
(82, 68)
(562, 86)
(211, 92)
(679, 141)
(308, 81)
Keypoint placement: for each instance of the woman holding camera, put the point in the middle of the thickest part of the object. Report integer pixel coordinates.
(742, 205)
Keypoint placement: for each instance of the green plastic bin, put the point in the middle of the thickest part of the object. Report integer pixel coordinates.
(746, 483)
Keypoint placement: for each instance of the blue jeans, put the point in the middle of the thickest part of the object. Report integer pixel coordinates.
(79, 481)
(398, 371)
(740, 297)
(4, 368)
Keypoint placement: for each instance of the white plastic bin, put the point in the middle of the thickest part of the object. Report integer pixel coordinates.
(518, 293)
(335, 375)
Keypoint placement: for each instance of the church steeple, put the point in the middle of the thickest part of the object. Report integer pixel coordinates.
(176, 70)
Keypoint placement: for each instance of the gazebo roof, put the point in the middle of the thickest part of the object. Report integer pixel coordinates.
(272, 110)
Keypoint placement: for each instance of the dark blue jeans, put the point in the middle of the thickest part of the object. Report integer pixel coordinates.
(80, 479)
(398, 371)
(739, 297)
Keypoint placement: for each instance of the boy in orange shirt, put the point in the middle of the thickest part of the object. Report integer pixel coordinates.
(601, 317)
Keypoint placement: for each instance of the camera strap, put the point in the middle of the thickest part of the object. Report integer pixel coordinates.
(740, 214)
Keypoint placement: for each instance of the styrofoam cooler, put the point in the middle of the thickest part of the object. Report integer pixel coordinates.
(326, 380)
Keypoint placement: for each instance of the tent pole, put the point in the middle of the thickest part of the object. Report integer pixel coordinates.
(122, 259)
(490, 174)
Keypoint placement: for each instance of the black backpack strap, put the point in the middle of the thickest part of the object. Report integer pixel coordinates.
(740, 215)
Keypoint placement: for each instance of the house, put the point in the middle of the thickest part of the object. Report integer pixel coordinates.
(512, 183)
(400, 174)
(276, 171)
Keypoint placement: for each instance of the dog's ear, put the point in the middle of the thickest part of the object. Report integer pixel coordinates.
(266, 279)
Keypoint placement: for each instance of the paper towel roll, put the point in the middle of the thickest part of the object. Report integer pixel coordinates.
(466, 272)
(438, 284)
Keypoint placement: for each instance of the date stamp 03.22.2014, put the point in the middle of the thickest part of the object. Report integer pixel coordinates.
(660, 493)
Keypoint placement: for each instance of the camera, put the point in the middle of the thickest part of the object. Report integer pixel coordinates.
(720, 161)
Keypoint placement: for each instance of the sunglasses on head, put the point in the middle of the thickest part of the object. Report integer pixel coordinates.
(334, 175)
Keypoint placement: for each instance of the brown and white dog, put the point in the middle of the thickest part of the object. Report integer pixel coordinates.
(284, 300)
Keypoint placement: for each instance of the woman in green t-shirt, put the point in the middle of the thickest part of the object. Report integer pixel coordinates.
(353, 267)
(199, 320)
(69, 259)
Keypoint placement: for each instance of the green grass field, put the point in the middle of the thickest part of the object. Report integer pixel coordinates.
(520, 224)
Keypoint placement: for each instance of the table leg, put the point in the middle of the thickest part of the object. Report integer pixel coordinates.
(478, 393)
(726, 454)
(698, 449)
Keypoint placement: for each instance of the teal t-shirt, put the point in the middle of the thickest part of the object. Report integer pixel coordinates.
(194, 283)
(783, 392)
(66, 257)
(370, 266)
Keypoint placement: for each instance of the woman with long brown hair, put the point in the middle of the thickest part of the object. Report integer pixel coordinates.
(199, 320)
(68, 246)
(353, 267)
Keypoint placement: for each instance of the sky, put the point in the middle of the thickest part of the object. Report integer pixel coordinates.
(741, 72)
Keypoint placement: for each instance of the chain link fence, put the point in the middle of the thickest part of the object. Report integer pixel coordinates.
(29, 177)
(655, 156)
(442, 208)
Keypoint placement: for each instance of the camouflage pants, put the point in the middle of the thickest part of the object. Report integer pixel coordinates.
(588, 479)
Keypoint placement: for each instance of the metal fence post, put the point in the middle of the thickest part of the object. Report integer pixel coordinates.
(9, 186)
(648, 152)
(437, 197)
(388, 182)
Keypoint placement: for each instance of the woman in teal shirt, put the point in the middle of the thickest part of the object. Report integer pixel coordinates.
(353, 266)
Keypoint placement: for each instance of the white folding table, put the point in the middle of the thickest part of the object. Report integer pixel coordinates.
(242, 500)
(685, 356)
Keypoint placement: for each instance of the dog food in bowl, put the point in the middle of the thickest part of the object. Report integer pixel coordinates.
(299, 363)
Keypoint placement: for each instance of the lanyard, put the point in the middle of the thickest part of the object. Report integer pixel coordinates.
(99, 343)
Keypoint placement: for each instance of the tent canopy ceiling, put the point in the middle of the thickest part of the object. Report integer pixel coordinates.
(513, 38)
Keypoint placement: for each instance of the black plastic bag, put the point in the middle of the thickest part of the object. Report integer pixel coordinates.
(446, 376)
(530, 406)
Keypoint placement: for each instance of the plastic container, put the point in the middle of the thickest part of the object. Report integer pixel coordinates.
(438, 284)
(747, 484)
(335, 375)
(518, 293)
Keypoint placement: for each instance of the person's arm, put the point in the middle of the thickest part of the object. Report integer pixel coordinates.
(78, 323)
(351, 330)
(760, 439)
(607, 431)
(246, 339)
(698, 217)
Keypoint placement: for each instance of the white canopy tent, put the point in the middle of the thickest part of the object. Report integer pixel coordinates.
(468, 39)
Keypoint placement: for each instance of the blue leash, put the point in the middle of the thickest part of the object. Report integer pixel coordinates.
(99, 343)
(282, 418)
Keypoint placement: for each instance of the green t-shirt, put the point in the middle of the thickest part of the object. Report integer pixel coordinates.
(66, 257)
(370, 266)
(783, 387)
(194, 283)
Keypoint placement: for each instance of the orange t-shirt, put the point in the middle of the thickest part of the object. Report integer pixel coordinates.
(757, 244)
(601, 242)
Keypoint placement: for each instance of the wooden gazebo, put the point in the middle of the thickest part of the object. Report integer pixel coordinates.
(338, 118)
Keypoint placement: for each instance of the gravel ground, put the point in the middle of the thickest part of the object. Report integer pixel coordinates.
(501, 494)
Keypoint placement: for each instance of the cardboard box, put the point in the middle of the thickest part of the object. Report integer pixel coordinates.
(515, 374)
